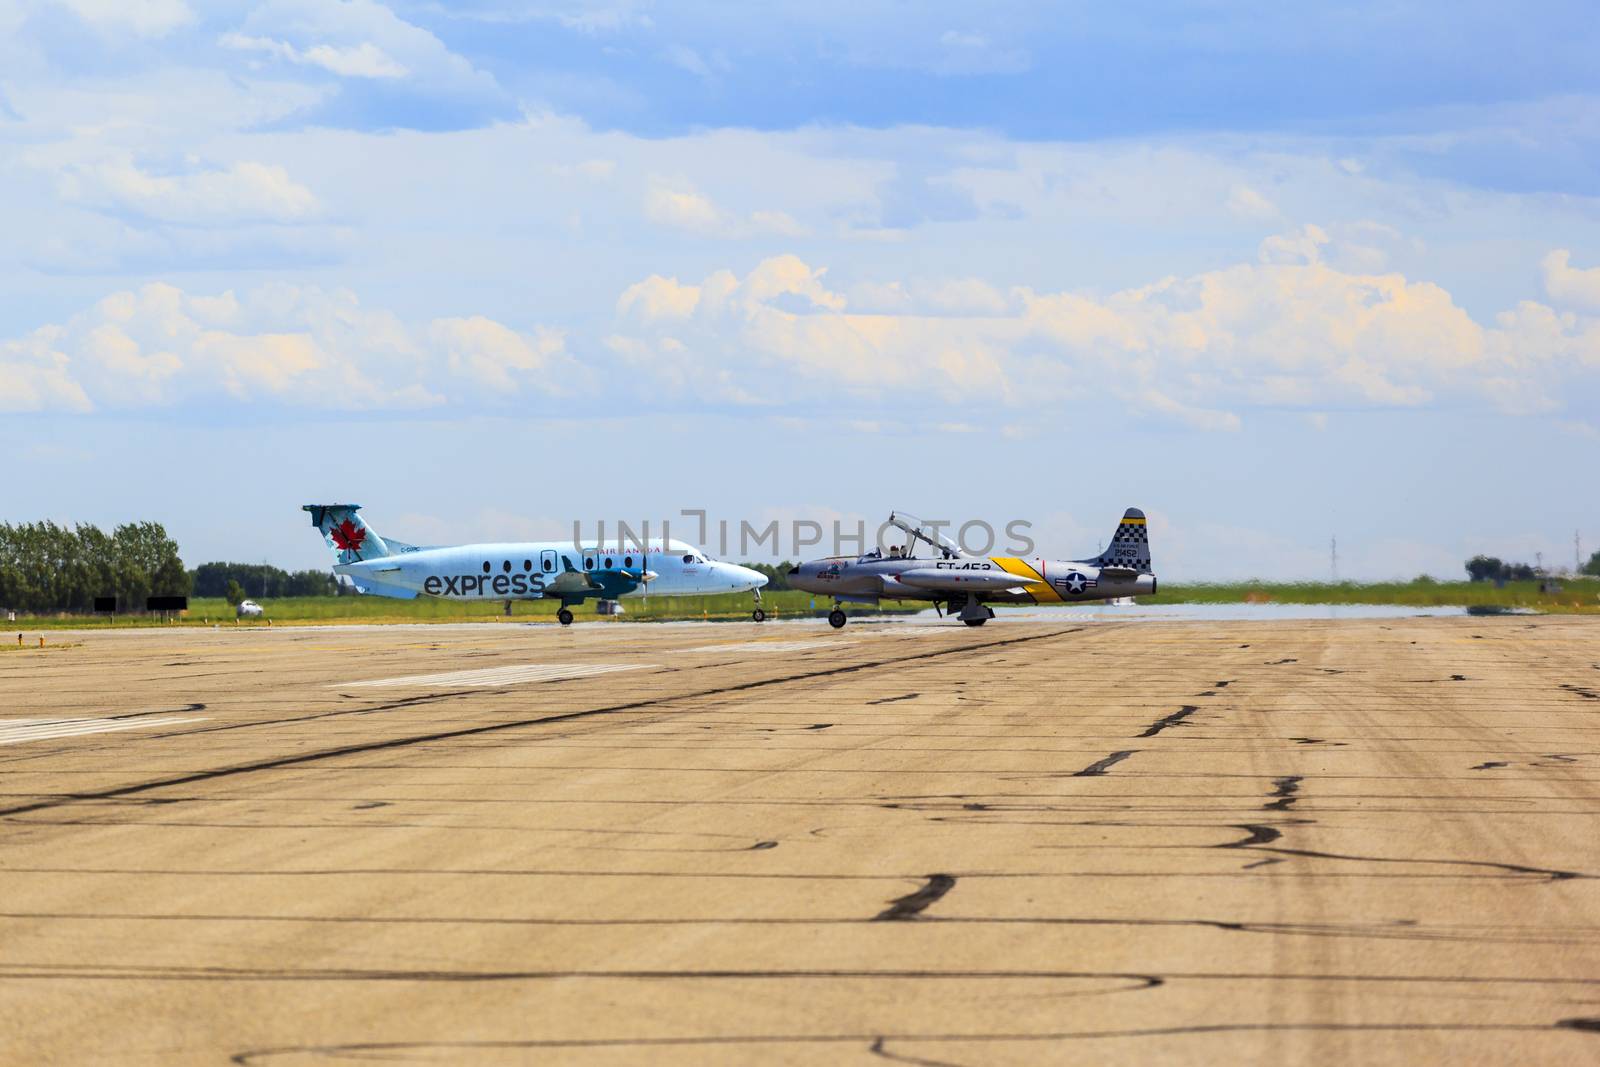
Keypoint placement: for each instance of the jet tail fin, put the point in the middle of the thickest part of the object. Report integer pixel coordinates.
(349, 538)
(1130, 545)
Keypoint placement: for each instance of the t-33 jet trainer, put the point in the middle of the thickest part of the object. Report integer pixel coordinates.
(965, 585)
(525, 570)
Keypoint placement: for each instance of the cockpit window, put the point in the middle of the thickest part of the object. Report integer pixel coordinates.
(688, 557)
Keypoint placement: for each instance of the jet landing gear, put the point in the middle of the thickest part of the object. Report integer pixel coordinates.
(836, 618)
(975, 614)
(759, 615)
(564, 616)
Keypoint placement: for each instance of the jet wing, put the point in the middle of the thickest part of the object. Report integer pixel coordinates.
(941, 580)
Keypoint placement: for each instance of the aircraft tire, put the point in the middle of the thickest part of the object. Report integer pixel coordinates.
(975, 622)
(564, 617)
(759, 615)
(836, 619)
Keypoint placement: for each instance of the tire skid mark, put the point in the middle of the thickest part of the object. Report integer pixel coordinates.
(1101, 766)
(1286, 791)
(1169, 721)
(1261, 835)
(912, 905)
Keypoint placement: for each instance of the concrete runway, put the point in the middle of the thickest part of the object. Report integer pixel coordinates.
(1040, 841)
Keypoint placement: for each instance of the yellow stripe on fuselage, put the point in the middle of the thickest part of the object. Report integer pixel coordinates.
(1041, 591)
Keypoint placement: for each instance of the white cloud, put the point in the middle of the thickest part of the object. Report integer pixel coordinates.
(1571, 285)
(1246, 203)
(498, 357)
(355, 39)
(240, 192)
(1195, 350)
(299, 346)
(685, 208)
(142, 18)
(364, 60)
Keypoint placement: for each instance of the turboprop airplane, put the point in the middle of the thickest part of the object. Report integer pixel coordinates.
(528, 570)
(965, 585)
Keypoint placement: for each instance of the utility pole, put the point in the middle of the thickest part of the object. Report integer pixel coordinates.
(1333, 558)
(1577, 553)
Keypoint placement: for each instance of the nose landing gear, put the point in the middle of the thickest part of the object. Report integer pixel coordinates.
(759, 615)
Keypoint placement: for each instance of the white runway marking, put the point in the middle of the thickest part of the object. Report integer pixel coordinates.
(17, 731)
(765, 646)
(495, 676)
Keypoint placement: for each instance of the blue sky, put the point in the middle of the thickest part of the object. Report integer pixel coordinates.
(1274, 274)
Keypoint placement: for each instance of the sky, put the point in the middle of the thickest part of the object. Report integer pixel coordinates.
(1276, 274)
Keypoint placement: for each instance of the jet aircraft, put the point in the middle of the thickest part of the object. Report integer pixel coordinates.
(530, 570)
(965, 585)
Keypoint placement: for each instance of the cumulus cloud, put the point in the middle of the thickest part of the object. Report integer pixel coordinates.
(1289, 332)
(292, 345)
(1569, 285)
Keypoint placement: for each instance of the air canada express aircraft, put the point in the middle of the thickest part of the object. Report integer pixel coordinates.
(965, 585)
(527, 570)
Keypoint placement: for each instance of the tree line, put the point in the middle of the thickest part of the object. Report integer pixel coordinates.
(1494, 569)
(46, 567)
(261, 580)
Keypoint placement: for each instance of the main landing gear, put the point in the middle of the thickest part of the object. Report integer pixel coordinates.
(564, 616)
(974, 613)
(836, 619)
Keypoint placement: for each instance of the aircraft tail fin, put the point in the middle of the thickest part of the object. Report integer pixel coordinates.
(1130, 545)
(349, 538)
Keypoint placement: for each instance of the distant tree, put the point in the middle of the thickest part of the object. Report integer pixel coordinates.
(1490, 569)
(45, 567)
(1593, 566)
(260, 580)
(234, 593)
(1484, 568)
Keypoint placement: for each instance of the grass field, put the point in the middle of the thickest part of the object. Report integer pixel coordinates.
(372, 609)
(1576, 597)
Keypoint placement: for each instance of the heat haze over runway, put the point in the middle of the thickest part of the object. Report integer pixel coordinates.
(1052, 839)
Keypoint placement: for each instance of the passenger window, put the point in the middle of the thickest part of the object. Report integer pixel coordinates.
(486, 566)
(627, 561)
(508, 566)
(549, 564)
(527, 564)
(588, 563)
(608, 563)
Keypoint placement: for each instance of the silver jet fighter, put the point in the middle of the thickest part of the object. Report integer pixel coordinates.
(966, 585)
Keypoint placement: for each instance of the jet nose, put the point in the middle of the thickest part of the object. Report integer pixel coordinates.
(743, 577)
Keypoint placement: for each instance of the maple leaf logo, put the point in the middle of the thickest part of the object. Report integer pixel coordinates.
(348, 536)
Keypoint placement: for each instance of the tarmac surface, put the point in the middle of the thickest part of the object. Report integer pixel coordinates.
(1068, 841)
